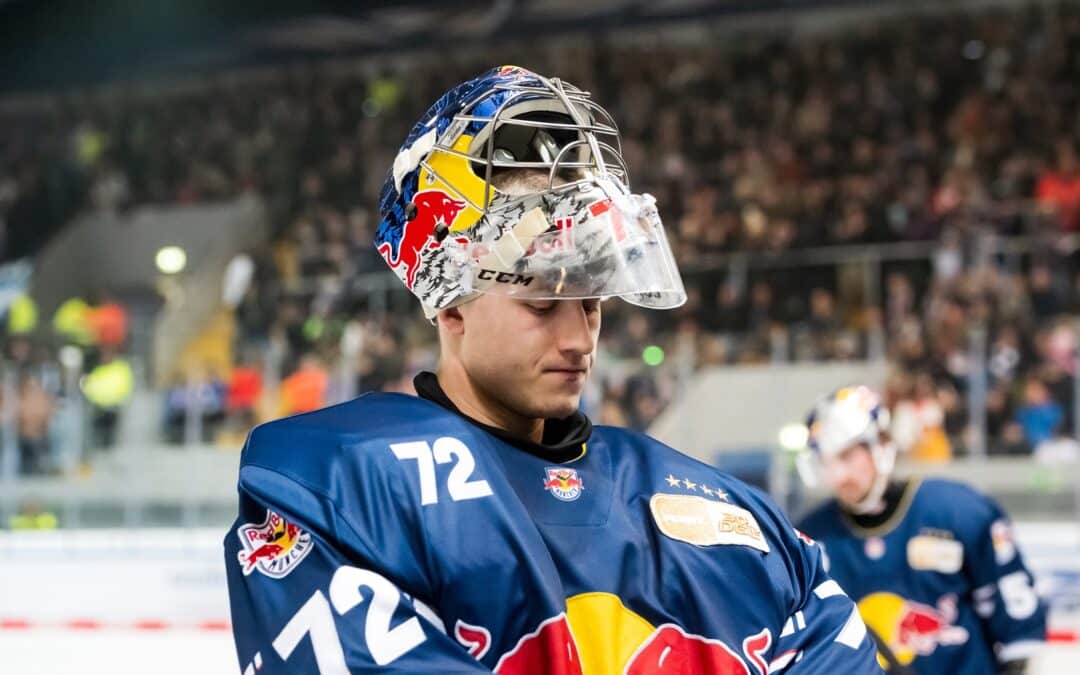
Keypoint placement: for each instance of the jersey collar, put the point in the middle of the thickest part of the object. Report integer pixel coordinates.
(564, 439)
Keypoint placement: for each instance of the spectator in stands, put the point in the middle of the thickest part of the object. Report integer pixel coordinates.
(1058, 189)
(108, 323)
(35, 409)
(22, 316)
(33, 515)
(305, 390)
(823, 325)
(195, 407)
(999, 411)
(1040, 415)
(762, 311)
(244, 394)
(107, 387)
(728, 313)
(71, 322)
(919, 424)
(1005, 358)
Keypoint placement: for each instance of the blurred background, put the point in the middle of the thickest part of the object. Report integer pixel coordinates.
(881, 191)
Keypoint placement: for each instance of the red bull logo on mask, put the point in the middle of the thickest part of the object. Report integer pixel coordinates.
(564, 484)
(430, 210)
(274, 547)
(912, 629)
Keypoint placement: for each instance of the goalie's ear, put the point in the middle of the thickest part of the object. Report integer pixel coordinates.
(451, 321)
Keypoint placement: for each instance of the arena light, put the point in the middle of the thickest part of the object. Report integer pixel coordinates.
(653, 355)
(793, 437)
(171, 259)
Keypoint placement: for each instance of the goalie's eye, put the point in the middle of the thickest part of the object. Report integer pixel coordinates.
(541, 306)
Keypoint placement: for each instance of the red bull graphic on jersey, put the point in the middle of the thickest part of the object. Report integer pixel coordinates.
(548, 650)
(672, 650)
(274, 547)
(912, 629)
(564, 484)
(475, 639)
(598, 634)
(432, 209)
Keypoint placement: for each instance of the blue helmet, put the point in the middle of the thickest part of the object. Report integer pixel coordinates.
(514, 183)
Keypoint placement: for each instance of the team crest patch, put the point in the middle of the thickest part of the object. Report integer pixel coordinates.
(273, 547)
(874, 548)
(563, 483)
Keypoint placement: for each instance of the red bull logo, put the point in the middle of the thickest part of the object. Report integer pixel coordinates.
(598, 635)
(549, 650)
(559, 239)
(432, 208)
(274, 547)
(564, 484)
(673, 650)
(513, 70)
(911, 629)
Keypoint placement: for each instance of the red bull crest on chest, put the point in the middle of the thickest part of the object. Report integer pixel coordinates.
(562, 483)
(274, 547)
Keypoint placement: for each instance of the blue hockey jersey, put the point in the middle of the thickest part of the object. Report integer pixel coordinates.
(941, 582)
(390, 535)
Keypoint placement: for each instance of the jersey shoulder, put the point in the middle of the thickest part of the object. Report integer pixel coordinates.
(940, 494)
(654, 461)
(328, 454)
(823, 521)
(296, 442)
(965, 509)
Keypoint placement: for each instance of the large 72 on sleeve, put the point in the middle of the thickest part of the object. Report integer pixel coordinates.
(385, 643)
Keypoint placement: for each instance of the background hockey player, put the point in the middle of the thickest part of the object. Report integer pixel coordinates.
(486, 525)
(932, 563)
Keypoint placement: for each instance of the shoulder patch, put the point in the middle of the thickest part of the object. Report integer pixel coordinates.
(274, 547)
(705, 522)
(1004, 543)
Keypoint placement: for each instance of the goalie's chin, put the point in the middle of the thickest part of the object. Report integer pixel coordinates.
(556, 406)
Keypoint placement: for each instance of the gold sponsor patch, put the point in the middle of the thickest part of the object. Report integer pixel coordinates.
(704, 522)
(935, 554)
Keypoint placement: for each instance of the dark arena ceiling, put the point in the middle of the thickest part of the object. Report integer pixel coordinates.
(49, 45)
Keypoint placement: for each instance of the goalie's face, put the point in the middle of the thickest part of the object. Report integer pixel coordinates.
(532, 357)
(850, 474)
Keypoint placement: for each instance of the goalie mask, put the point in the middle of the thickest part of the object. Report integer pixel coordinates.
(449, 233)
